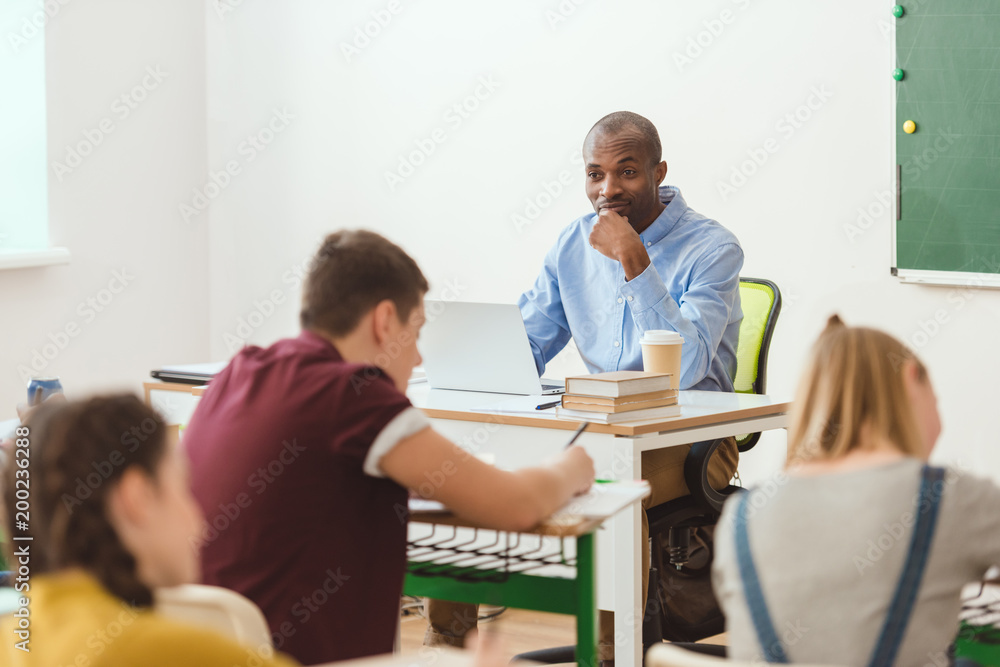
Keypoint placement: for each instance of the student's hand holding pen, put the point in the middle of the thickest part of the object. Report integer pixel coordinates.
(577, 465)
(570, 446)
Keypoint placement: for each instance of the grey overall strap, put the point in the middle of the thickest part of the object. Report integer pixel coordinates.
(773, 649)
(901, 608)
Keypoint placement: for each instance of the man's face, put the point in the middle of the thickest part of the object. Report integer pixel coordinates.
(621, 176)
(400, 354)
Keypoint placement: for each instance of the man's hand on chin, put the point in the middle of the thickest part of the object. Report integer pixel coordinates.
(613, 237)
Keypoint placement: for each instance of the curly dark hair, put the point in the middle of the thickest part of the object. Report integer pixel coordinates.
(76, 452)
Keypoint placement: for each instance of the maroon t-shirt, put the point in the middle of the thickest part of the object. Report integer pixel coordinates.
(277, 449)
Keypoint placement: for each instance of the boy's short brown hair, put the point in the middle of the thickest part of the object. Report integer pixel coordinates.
(351, 273)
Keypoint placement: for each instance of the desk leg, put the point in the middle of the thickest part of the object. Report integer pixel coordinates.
(628, 563)
(586, 602)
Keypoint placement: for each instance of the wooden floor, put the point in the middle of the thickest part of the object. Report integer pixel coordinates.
(519, 631)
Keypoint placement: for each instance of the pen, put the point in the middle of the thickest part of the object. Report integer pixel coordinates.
(546, 406)
(576, 435)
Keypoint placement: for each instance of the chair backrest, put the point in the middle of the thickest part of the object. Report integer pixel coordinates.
(665, 655)
(761, 302)
(218, 609)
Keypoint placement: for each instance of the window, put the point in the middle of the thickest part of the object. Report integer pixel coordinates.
(24, 237)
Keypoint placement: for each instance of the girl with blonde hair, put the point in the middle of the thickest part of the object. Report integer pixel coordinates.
(857, 552)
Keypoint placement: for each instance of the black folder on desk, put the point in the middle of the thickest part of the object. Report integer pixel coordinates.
(189, 373)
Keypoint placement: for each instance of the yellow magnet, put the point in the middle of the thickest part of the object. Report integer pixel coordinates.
(909, 127)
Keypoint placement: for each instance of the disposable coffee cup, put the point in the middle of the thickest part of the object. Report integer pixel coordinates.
(661, 352)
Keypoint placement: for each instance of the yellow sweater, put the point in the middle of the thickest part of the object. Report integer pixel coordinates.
(75, 621)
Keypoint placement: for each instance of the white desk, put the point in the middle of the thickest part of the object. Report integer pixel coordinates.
(174, 401)
(516, 441)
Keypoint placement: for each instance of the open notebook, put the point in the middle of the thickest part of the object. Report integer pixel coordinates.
(603, 501)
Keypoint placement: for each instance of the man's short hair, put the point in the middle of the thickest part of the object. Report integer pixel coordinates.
(615, 122)
(353, 271)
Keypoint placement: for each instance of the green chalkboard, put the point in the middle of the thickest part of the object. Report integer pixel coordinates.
(948, 170)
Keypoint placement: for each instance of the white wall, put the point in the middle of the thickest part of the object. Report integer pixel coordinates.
(116, 210)
(757, 63)
(326, 167)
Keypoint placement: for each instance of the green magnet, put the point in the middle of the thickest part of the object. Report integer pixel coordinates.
(897, 74)
(897, 11)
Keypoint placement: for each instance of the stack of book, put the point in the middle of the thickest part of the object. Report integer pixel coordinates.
(619, 396)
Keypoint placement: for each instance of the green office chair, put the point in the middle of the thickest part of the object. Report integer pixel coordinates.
(761, 302)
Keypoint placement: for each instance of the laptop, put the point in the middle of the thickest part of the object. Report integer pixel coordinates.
(189, 373)
(479, 347)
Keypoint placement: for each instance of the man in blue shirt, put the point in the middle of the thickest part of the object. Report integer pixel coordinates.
(642, 260)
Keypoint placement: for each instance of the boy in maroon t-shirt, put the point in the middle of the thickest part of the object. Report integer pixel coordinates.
(301, 452)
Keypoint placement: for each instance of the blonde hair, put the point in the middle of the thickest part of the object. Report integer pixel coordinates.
(853, 383)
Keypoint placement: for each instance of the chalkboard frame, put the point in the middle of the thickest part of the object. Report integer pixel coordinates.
(919, 276)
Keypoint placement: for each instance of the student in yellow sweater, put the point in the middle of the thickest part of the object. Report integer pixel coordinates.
(104, 493)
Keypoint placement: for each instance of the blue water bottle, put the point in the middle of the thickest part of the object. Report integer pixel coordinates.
(41, 387)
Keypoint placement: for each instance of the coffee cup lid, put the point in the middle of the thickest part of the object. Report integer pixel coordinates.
(661, 336)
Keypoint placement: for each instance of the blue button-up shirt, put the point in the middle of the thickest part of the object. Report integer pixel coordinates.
(691, 286)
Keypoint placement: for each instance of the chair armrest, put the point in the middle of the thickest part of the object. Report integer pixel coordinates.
(696, 475)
